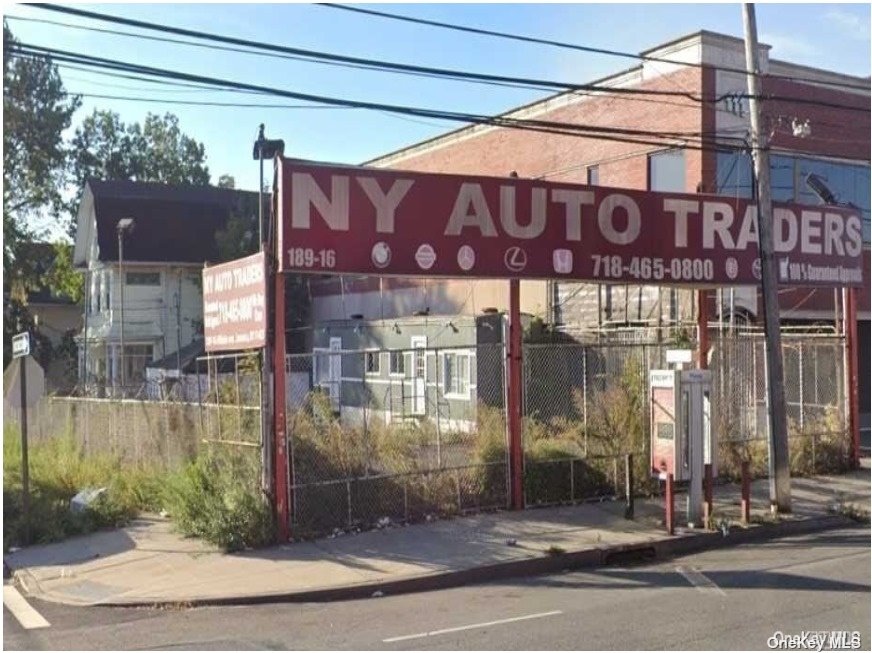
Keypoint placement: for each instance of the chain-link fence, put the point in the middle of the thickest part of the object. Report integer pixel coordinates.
(395, 434)
(139, 432)
(162, 422)
(584, 409)
(402, 434)
(814, 394)
(586, 406)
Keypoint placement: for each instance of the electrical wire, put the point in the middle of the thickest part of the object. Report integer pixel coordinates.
(315, 57)
(424, 70)
(655, 138)
(579, 48)
(280, 51)
(201, 102)
(686, 140)
(196, 44)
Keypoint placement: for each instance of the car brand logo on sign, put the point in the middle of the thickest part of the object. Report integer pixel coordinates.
(381, 254)
(562, 260)
(755, 269)
(516, 259)
(425, 256)
(466, 258)
(21, 345)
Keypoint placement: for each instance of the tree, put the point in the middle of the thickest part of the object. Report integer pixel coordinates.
(226, 181)
(103, 147)
(36, 111)
(61, 277)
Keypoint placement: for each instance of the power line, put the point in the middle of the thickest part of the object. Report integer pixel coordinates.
(202, 103)
(625, 135)
(140, 78)
(343, 59)
(422, 70)
(317, 58)
(574, 46)
(687, 140)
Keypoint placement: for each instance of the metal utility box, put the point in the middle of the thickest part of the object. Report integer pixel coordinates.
(681, 417)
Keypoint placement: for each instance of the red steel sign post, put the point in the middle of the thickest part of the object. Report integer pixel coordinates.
(337, 220)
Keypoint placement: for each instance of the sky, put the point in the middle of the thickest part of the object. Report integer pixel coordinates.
(829, 36)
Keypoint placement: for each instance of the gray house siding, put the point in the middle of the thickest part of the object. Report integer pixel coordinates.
(412, 357)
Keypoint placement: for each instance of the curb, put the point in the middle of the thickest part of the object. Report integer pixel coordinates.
(584, 559)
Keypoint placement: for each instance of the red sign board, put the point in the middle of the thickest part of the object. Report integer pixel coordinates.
(338, 220)
(234, 306)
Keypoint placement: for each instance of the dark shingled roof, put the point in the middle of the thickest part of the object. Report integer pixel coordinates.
(172, 223)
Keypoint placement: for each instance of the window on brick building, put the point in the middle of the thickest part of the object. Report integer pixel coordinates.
(667, 171)
(593, 175)
(849, 182)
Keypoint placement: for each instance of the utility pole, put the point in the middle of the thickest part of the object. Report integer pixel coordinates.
(779, 467)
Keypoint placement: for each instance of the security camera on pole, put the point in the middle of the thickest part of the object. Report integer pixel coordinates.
(779, 467)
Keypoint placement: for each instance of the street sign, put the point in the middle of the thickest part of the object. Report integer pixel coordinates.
(337, 219)
(21, 345)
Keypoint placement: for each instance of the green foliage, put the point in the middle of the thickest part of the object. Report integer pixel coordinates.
(617, 422)
(238, 238)
(217, 497)
(36, 111)
(821, 446)
(63, 279)
(103, 147)
(59, 469)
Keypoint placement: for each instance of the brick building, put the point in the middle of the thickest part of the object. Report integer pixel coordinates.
(834, 149)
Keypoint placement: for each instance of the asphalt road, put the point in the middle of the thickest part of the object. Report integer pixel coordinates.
(727, 599)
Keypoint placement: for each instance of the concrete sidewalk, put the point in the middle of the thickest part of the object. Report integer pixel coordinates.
(146, 563)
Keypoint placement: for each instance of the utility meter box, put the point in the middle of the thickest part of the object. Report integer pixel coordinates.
(681, 423)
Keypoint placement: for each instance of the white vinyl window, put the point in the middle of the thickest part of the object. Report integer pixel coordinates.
(135, 359)
(400, 363)
(372, 363)
(455, 374)
(142, 278)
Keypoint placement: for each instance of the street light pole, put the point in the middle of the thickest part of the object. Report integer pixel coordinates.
(124, 224)
(121, 282)
(779, 463)
(266, 148)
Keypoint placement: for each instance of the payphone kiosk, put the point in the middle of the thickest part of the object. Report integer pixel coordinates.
(682, 439)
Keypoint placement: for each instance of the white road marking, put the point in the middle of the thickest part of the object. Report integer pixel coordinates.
(22, 610)
(472, 626)
(700, 581)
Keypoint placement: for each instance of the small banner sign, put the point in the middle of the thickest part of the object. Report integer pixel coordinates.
(234, 304)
